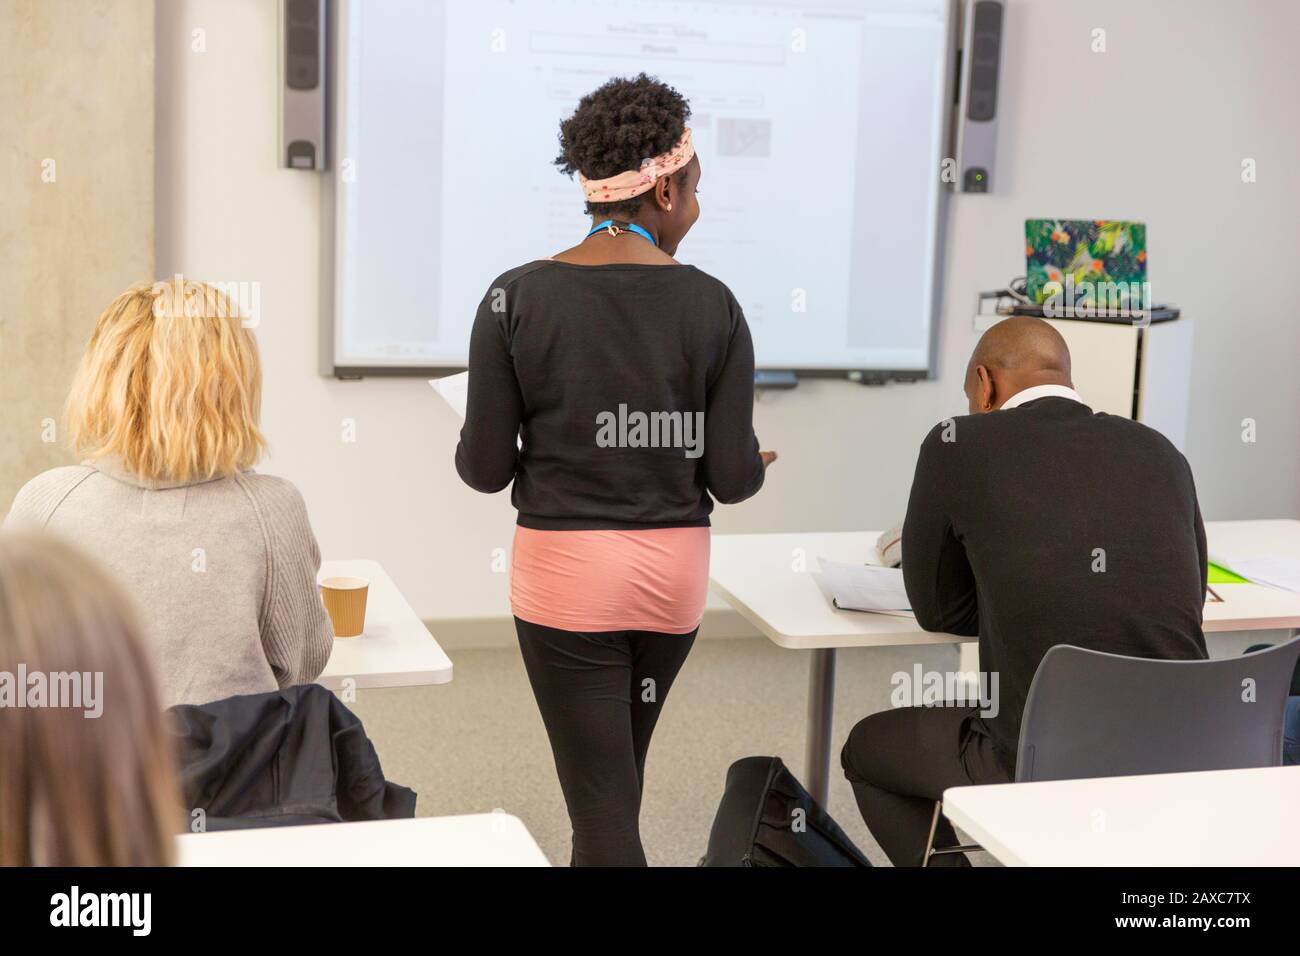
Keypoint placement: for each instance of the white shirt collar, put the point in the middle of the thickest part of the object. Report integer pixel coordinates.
(1042, 391)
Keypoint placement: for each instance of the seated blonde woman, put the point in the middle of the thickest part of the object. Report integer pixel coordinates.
(87, 778)
(221, 561)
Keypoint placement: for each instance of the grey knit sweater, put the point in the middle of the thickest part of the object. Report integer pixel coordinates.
(223, 572)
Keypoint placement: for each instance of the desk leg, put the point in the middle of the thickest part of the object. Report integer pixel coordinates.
(821, 707)
(968, 663)
(968, 657)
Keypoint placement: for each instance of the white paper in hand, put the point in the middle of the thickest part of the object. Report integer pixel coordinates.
(454, 390)
(862, 587)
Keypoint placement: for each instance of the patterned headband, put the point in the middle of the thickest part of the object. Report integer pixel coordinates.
(634, 182)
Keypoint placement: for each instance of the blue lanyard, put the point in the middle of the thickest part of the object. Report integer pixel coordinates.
(631, 227)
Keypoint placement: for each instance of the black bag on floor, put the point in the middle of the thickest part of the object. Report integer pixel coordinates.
(767, 818)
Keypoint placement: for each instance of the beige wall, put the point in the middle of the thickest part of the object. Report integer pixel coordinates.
(76, 81)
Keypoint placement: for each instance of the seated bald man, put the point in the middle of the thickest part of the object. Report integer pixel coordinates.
(1032, 522)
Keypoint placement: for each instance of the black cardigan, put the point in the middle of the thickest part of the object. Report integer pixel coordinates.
(559, 351)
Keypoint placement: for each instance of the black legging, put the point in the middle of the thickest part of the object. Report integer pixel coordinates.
(600, 694)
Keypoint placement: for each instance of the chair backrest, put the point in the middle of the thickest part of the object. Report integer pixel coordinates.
(1090, 714)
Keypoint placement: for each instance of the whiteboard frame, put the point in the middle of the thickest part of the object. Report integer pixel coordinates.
(336, 77)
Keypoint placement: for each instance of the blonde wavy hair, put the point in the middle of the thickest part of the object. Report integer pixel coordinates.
(171, 383)
(77, 791)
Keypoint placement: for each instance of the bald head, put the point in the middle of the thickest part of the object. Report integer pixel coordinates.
(1016, 354)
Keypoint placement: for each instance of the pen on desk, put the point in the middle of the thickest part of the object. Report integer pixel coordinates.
(1214, 594)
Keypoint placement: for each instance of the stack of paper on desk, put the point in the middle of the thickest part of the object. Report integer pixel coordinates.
(864, 587)
(1270, 570)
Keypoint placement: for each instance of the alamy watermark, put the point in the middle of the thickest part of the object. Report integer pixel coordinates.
(74, 690)
(1070, 299)
(133, 911)
(921, 688)
(220, 300)
(624, 429)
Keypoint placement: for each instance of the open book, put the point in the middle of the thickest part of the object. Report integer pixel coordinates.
(865, 587)
(1270, 570)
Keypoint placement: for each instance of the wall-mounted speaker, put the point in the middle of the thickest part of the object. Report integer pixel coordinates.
(303, 26)
(977, 121)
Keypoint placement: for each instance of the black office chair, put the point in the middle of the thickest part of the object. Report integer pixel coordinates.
(1090, 714)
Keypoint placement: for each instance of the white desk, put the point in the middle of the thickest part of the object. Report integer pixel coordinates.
(395, 650)
(1275, 536)
(482, 839)
(771, 580)
(1217, 818)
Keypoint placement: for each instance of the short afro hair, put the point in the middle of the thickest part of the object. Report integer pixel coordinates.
(617, 126)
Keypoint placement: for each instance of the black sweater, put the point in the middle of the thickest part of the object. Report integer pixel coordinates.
(606, 372)
(1002, 536)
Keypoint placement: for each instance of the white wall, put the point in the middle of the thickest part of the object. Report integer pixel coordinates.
(1154, 129)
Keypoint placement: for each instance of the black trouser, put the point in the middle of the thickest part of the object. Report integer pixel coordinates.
(600, 694)
(901, 761)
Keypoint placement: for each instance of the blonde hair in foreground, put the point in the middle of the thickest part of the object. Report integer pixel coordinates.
(77, 790)
(171, 383)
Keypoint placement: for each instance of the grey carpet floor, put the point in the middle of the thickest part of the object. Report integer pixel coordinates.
(477, 744)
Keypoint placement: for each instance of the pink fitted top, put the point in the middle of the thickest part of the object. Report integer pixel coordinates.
(644, 580)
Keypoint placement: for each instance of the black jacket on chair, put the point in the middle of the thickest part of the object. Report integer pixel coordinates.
(292, 756)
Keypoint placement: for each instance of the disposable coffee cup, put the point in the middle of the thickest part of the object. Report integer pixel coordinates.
(345, 600)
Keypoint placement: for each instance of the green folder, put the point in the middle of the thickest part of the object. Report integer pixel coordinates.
(1220, 575)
